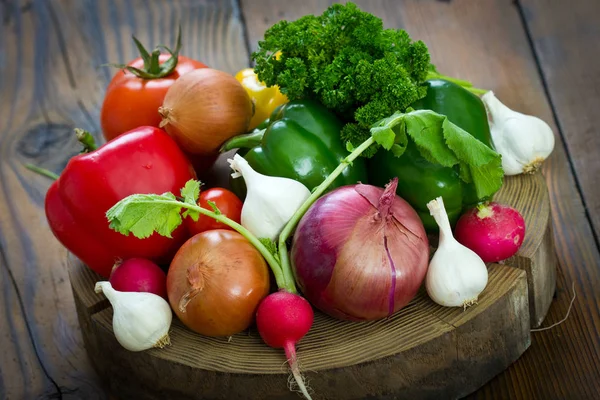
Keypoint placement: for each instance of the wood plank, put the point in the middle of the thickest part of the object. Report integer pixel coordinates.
(485, 42)
(18, 357)
(565, 40)
(51, 81)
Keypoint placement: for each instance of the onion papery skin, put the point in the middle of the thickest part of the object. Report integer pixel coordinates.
(230, 276)
(203, 109)
(354, 263)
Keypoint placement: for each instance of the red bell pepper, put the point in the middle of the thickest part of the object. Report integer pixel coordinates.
(143, 160)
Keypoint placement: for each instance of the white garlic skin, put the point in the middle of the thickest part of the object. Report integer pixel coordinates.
(456, 275)
(140, 320)
(523, 141)
(270, 201)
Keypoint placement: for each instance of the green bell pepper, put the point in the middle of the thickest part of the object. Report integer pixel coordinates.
(301, 142)
(420, 181)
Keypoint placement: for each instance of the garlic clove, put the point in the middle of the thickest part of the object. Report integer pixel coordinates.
(456, 275)
(452, 284)
(270, 201)
(140, 320)
(523, 141)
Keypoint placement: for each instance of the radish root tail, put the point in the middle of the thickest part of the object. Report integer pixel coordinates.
(290, 353)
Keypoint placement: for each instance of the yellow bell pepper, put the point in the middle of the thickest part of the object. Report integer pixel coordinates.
(265, 99)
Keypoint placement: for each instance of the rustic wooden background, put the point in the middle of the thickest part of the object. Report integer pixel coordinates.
(540, 57)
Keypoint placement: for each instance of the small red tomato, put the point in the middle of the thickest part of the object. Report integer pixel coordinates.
(227, 202)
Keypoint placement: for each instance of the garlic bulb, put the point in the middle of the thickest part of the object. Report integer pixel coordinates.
(140, 320)
(270, 201)
(456, 275)
(524, 141)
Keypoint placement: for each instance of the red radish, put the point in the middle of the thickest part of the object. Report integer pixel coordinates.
(282, 319)
(139, 275)
(494, 231)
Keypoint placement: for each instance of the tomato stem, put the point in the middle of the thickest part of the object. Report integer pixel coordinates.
(153, 69)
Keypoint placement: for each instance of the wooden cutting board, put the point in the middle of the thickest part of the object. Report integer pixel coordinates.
(422, 351)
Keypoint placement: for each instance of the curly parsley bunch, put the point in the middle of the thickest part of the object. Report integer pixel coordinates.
(347, 61)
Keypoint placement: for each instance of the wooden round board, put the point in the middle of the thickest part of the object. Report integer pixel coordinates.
(422, 351)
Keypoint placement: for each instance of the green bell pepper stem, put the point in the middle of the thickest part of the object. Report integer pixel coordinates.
(465, 84)
(244, 141)
(319, 190)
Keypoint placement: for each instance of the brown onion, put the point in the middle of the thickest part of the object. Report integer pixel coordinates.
(216, 281)
(203, 109)
(360, 252)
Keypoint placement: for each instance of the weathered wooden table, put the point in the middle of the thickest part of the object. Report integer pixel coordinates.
(541, 57)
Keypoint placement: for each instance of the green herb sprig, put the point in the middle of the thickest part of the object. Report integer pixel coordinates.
(346, 60)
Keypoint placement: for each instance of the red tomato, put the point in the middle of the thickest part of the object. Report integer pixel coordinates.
(227, 202)
(131, 102)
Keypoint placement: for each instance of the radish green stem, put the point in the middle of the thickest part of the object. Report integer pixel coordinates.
(275, 267)
(319, 190)
(42, 171)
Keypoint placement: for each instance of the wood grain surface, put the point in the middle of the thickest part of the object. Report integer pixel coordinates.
(565, 42)
(537, 55)
(51, 81)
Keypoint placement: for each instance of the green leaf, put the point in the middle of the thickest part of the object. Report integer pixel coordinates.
(349, 147)
(464, 172)
(487, 178)
(143, 214)
(397, 150)
(426, 129)
(384, 136)
(214, 207)
(191, 191)
(485, 165)
(271, 247)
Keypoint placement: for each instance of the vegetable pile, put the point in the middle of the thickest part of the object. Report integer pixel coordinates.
(351, 149)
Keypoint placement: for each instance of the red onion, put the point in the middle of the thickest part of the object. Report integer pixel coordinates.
(360, 252)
